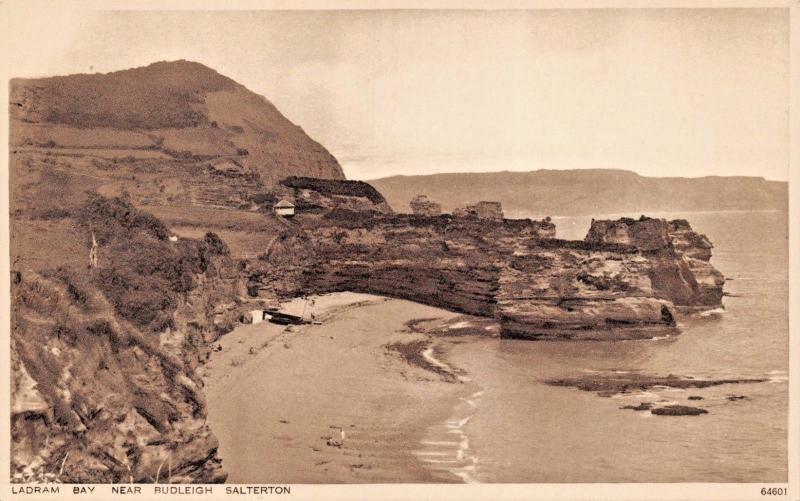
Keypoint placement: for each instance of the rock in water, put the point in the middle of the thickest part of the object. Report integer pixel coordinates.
(681, 271)
(678, 410)
(609, 385)
(644, 406)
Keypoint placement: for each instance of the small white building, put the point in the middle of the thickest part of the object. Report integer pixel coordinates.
(257, 316)
(284, 208)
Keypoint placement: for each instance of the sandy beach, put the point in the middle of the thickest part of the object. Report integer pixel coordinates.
(338, 402)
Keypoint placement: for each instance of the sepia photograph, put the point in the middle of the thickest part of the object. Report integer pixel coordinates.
(251, 250)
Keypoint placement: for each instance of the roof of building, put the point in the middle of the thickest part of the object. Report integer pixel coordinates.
(284, 204)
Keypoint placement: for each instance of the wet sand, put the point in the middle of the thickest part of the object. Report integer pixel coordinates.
(330, 403)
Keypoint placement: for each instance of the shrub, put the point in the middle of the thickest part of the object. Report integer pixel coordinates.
(142, 273)
(52, 213)
(110, 217)
(215, 245)
(263, 198)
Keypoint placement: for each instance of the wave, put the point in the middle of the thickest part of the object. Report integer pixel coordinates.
(452, 455)
(714, 312)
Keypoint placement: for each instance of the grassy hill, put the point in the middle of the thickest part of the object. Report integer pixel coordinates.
(181, 110)
(178, 139)
(584, 192)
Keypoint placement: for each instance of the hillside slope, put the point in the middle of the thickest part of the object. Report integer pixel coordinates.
(106, 357)
(167, 110)
(589, 191)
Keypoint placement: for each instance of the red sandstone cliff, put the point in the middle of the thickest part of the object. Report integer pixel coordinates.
(606, 287)
(105, 387)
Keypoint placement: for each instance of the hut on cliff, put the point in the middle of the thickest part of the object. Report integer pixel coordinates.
(284, 208)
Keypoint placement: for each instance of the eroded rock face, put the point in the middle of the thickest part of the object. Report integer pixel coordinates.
(103, 390)
(588, 292)
(538, 287)
(118, 403)
(681, 271)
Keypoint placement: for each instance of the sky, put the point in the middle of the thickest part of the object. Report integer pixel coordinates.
(662, 92)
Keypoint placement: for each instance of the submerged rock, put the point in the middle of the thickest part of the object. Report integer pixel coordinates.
(644, 406)
(734, 398)
(607, 385)
(678, 410)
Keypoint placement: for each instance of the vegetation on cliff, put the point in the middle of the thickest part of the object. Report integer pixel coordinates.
(141, 272)
(105, 356)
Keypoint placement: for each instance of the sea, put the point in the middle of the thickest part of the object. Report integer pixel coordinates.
(509, 426)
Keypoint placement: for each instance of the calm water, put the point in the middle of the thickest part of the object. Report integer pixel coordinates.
(520, 430)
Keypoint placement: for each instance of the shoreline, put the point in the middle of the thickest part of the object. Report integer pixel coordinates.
(332, 403)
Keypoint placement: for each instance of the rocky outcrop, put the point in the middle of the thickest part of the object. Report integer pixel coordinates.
(681, 269)
(537, 286)
(422, 206)
(624, 281)
(587, 292)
